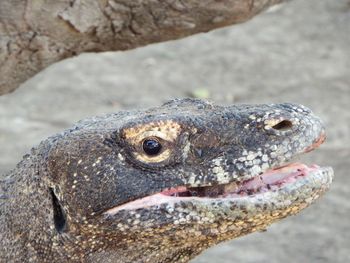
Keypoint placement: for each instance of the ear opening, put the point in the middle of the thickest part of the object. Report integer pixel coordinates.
(59, 216)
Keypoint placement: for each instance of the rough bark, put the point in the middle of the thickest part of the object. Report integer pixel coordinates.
(37, 33)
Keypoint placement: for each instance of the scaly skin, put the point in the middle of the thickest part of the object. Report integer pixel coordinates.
(76, 197)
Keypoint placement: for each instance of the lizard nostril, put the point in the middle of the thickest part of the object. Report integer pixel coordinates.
(284, 125)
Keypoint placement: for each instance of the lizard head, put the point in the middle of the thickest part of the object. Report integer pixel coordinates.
(168, 182)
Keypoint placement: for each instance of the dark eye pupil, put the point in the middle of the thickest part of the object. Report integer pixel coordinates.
(151, 146)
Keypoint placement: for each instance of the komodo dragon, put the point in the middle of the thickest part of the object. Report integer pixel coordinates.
(159, 185)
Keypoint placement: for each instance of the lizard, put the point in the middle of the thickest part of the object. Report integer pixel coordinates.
(160, 185)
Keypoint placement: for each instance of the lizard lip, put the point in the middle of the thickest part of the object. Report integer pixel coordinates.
(271, 181)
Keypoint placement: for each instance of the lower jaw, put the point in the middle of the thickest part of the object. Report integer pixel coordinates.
(297, 182)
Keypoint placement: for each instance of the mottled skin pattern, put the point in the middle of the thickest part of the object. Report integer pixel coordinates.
(55, 203)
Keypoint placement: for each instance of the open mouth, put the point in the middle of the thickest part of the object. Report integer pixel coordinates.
(268, 181)
(271, 181)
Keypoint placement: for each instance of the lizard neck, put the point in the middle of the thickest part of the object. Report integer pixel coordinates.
(26, 222)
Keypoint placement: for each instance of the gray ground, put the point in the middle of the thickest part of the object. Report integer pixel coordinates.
(299, 52)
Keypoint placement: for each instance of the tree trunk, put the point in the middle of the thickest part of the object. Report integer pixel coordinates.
(37, 33)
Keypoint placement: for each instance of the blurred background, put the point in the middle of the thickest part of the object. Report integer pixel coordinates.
(298, 52)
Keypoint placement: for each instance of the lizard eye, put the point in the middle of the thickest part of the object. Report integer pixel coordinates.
(151, 146)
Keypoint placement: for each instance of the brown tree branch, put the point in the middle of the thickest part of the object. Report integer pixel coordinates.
(37, 33)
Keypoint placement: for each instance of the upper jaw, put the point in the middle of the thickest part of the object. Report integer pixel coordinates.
(306, 139)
